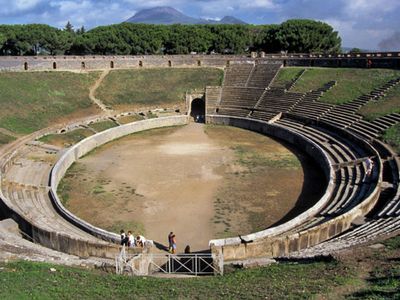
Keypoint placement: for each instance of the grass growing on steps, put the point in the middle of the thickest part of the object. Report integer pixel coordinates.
(389, 104)
(351, 83)
(103, 125)
(34, 100)
(5, 139)
(392, 137)
(26, 280)
(66, 139)
(154, 86)
(287, 75)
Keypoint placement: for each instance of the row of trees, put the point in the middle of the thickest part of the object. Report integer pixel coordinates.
(302, 36)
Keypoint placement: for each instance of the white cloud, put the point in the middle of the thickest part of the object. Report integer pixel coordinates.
(16, 6)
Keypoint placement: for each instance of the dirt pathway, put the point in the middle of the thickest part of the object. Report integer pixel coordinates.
(93, 89)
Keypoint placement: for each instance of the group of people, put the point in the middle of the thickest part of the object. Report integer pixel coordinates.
(130, 240)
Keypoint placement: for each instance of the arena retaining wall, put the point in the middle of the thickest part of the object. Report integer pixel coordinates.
(87, 145)
(268, 243)
(82, 63)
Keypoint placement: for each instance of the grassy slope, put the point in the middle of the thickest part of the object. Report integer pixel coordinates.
(286, 75)
(300, 281)
(362, 273)
(103, 125)
(69, 138)
(392, 137)
(351, 82)
(154, 86)
(387, 105)
(34, 100)
(4, 139)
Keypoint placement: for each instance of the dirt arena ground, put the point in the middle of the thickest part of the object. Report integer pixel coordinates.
(200, 181)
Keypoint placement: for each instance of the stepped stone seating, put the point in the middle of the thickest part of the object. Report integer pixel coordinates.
(240, 97)
(262, 75)
(345, 115)
(385, 221)
(237, 112)
(274, 101)
(213, 97)
(351, 188)
(35, 204)
(237, 74)
(309, 105)
(385, 122)
(293, 83)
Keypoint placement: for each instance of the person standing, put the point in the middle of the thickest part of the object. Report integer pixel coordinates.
(370, 164)
(124, 239)
(131, 239)
(170, 241)
(173, 244)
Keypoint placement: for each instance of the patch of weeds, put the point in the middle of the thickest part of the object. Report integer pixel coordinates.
(393, 243)
(98, 189)
(253, 159)
(135, 227)
(151, 115)
(392, 137)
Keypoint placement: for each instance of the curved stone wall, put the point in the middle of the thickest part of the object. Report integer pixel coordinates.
(87, 145)
(268, 243)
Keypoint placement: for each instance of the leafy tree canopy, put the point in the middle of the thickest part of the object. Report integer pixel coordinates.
(139, 39)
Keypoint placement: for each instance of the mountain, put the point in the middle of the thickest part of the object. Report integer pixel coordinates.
(168, 15)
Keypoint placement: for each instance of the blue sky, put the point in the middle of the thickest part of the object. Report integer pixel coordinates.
(361, 23)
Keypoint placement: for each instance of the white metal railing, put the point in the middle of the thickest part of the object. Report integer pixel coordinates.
(186, 264)
(190, 264)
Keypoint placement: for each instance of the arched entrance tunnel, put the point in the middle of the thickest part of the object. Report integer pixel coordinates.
(198, 110)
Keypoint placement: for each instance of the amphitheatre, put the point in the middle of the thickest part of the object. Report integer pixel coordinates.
(277, 171)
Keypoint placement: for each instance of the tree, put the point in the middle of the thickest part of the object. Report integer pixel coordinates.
(306, 36)
(69, 28)
(355, 50)
(81, 30)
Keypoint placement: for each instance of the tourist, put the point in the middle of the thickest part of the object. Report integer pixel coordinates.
(187, 249)
(131, 239)
(170, 241)
(370, 165)
(140, 241)
(173, 239)
(124, 239)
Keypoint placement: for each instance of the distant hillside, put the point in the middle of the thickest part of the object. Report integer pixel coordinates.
(168, 15)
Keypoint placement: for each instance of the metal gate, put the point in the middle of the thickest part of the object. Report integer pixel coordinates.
(186, 264)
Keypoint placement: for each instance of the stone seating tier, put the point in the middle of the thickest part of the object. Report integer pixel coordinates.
(243, 97)
(237, 74)
(262, 75)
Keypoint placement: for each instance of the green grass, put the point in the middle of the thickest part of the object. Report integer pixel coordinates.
(5, 139)
(154, 86)
(26, 280)
(351, 83)
(130, 119)
(135, 227)
(287, 75)
(387, 105)
(103, 125)
(382, 284)
(253, 159)
(393, 243)
(64, 188)
(34, 100)
(392, 137)
(69, 138)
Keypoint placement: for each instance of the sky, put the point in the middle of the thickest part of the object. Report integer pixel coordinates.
(361, 23)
